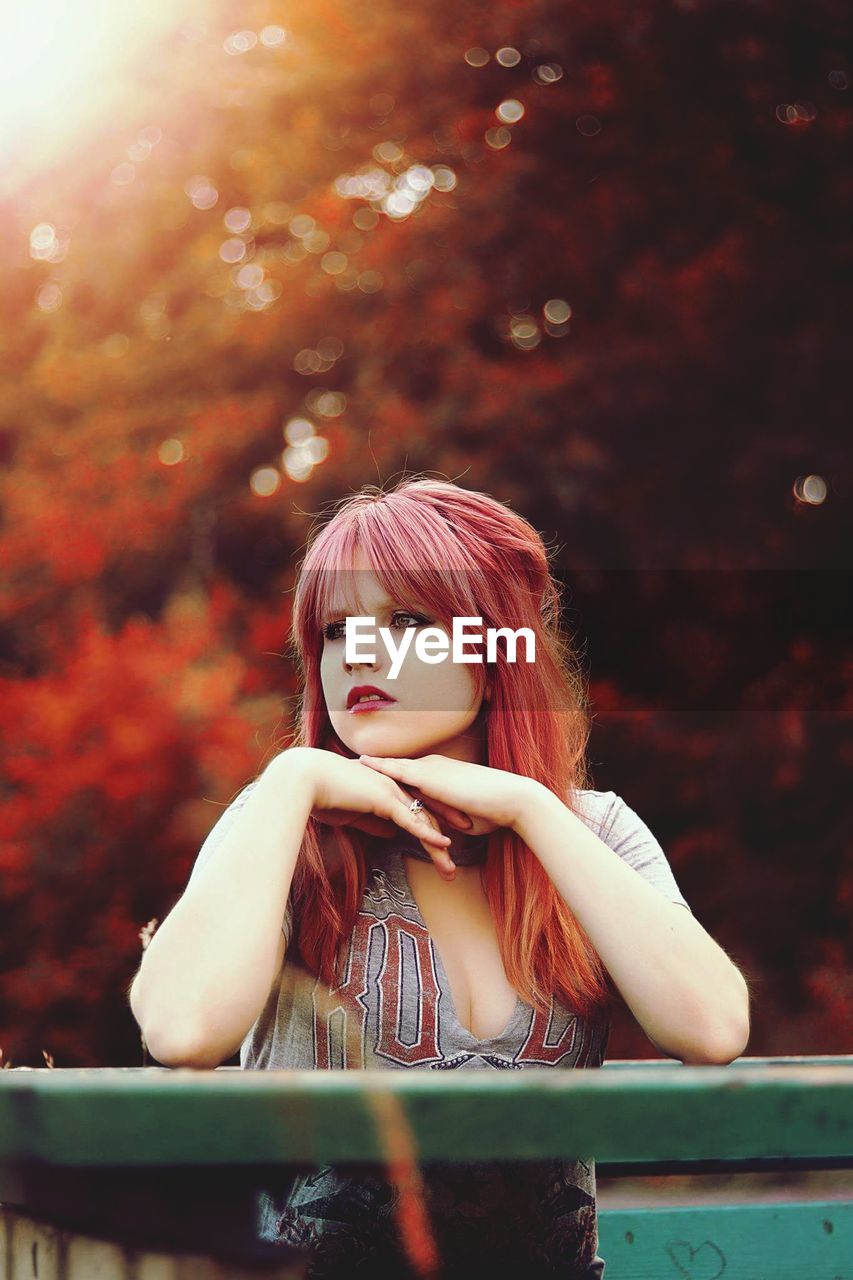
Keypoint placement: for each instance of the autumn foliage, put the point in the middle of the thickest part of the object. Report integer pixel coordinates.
(624, 311)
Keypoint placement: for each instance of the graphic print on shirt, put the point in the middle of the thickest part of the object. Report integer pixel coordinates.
(498, 1217)
(341, 1012)
(403, 1012)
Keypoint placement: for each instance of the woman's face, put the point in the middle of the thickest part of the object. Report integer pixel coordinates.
(435, 704)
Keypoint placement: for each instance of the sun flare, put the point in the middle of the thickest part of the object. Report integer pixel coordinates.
(62, 64)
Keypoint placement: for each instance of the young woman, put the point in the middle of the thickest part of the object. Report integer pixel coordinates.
(425, 881)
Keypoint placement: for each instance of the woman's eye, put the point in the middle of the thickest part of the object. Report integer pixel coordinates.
(418, 620)
(335, 630)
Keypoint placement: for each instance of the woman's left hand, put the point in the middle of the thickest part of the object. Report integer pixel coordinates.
(492, 798)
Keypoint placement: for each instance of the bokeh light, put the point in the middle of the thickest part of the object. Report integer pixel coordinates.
(240, 42)
(171, 452)
(477, 57)
(388, 152)
(232, 250)
(264, 482)
(272, 36)
(557, 310)
(510, 111)
(302, 226)
(811, 490)
(796, 113)
(296, 464)
(547, 73)
(249, 277)
(524, 332)
(326, 404)
(371, 281)
(238, 220)
(42, 240)
(298, 430)
(498, 138)
(334, 263)
(588, 125)
(49, 297)
(201, 191)
(396, 196)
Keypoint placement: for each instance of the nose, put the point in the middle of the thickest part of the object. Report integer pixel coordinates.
(363, 663)
(357, 666)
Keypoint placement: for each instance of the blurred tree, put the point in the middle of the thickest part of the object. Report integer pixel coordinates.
(595, 263)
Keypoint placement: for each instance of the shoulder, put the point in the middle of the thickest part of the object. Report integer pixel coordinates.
(243, 795)
(612, 818)
(222, 826)
(597, 808)
(233, 806)
(627, 834)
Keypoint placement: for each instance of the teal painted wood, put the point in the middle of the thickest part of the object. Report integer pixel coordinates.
(786, 1060)
(140, 1117)
(744, 1242)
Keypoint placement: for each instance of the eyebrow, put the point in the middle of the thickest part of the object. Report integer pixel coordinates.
(385, 603)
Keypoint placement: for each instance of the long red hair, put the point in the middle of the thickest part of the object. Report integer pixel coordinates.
(462, 553)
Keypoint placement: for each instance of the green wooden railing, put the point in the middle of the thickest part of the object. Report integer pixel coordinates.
(173, 1159)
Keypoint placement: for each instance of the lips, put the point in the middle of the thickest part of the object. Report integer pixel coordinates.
(361, 690)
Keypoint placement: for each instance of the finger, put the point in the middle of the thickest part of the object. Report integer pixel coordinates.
(381, 826)
(422, 825)
(438, 852)
(369, 822)
(401, 769)
(448, 812)
(404, 771)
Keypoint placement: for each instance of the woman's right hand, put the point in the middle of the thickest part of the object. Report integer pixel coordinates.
(347, 793)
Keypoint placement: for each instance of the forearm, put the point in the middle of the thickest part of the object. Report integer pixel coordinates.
(209, 967)
(682, 988)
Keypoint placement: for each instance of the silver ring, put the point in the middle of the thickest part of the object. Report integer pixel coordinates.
(416, 806)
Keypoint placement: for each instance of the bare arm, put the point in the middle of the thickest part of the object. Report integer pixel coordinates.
(208, 969)
(685, 992)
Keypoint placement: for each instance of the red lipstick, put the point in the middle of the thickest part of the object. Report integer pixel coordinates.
(373, 704)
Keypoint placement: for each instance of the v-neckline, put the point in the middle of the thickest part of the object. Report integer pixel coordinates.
(520, 1007)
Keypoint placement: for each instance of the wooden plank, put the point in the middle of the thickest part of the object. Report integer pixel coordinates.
(743, 1242)
(739, 1164)
(790, 1060)
(155, 1116)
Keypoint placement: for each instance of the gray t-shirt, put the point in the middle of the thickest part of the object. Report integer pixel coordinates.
(393, 1009)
